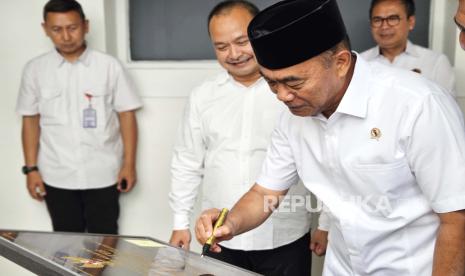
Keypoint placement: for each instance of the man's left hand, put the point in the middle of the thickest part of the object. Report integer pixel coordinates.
(319, 242)
(129, 174)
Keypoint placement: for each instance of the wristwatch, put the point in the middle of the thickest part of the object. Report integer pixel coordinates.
(26, 169)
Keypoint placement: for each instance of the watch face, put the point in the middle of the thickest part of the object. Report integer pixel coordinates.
(26, 169)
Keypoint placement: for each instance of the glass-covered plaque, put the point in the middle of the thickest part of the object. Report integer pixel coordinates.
(55, 253)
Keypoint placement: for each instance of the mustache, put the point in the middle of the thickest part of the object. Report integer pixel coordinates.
(238, 60)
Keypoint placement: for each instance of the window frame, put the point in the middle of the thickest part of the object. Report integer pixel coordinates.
(117, 14)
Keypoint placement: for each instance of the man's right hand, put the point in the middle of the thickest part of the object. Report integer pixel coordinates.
(181, 238)
(204, 229)
(35, 186)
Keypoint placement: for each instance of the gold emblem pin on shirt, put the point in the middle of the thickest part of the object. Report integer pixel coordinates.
(375, 133)
(416, 70)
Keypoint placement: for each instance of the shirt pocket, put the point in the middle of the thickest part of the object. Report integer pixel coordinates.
(52, 107)
(100, 101)
(383, 185)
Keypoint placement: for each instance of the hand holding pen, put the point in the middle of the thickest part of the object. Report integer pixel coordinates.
(212, 228)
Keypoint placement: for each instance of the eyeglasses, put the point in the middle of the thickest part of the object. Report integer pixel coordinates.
(461, 28)
(392, 20)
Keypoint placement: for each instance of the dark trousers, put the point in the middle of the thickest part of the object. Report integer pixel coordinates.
(294, 259)
(93, 210)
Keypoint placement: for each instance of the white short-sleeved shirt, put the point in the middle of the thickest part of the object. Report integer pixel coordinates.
(432, 65)
(221, 143)
(389, 159)
(71, 156)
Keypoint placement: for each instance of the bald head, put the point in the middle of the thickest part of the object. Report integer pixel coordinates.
(225, 7)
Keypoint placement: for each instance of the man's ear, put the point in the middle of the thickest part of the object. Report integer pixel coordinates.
(86, 26)
(411, 22)
(343, 61)
(44, 27)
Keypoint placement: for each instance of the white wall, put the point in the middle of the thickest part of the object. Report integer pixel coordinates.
(459, 58)
(145, 210)
(164, 87)
(444, 37)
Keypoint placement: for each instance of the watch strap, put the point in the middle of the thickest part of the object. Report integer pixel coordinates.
(26, 169)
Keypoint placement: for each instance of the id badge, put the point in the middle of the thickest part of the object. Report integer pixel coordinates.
(90, 118)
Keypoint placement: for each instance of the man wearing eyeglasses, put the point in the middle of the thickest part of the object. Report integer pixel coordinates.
(391, 22)
(460, 21)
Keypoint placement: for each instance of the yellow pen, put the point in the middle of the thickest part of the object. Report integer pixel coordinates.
(211, 239)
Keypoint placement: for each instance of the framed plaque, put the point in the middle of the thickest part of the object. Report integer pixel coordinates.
(59, 253)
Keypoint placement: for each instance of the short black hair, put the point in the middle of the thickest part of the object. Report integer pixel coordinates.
(63, 6)
(408, 4)
(227, 5)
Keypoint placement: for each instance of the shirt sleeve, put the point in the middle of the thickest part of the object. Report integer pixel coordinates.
(187, 166)
(444, 74)
(436, 152)
(324, 219)
(28, 98)
(125, 96)
(279, 169)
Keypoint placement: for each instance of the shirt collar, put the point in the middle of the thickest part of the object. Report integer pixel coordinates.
(355, 100)
(85, 57)
(373, 53)
(225, 78)
(59, 59)
(410, 49)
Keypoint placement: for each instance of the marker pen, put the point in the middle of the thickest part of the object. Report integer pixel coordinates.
(211, 239)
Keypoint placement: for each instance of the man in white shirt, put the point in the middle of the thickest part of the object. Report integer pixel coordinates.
(460, 21)
(222, 142)
(391, 22)
(79, 128)
(383, 148)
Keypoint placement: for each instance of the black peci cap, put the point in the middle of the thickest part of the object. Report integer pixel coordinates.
(293, 31)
